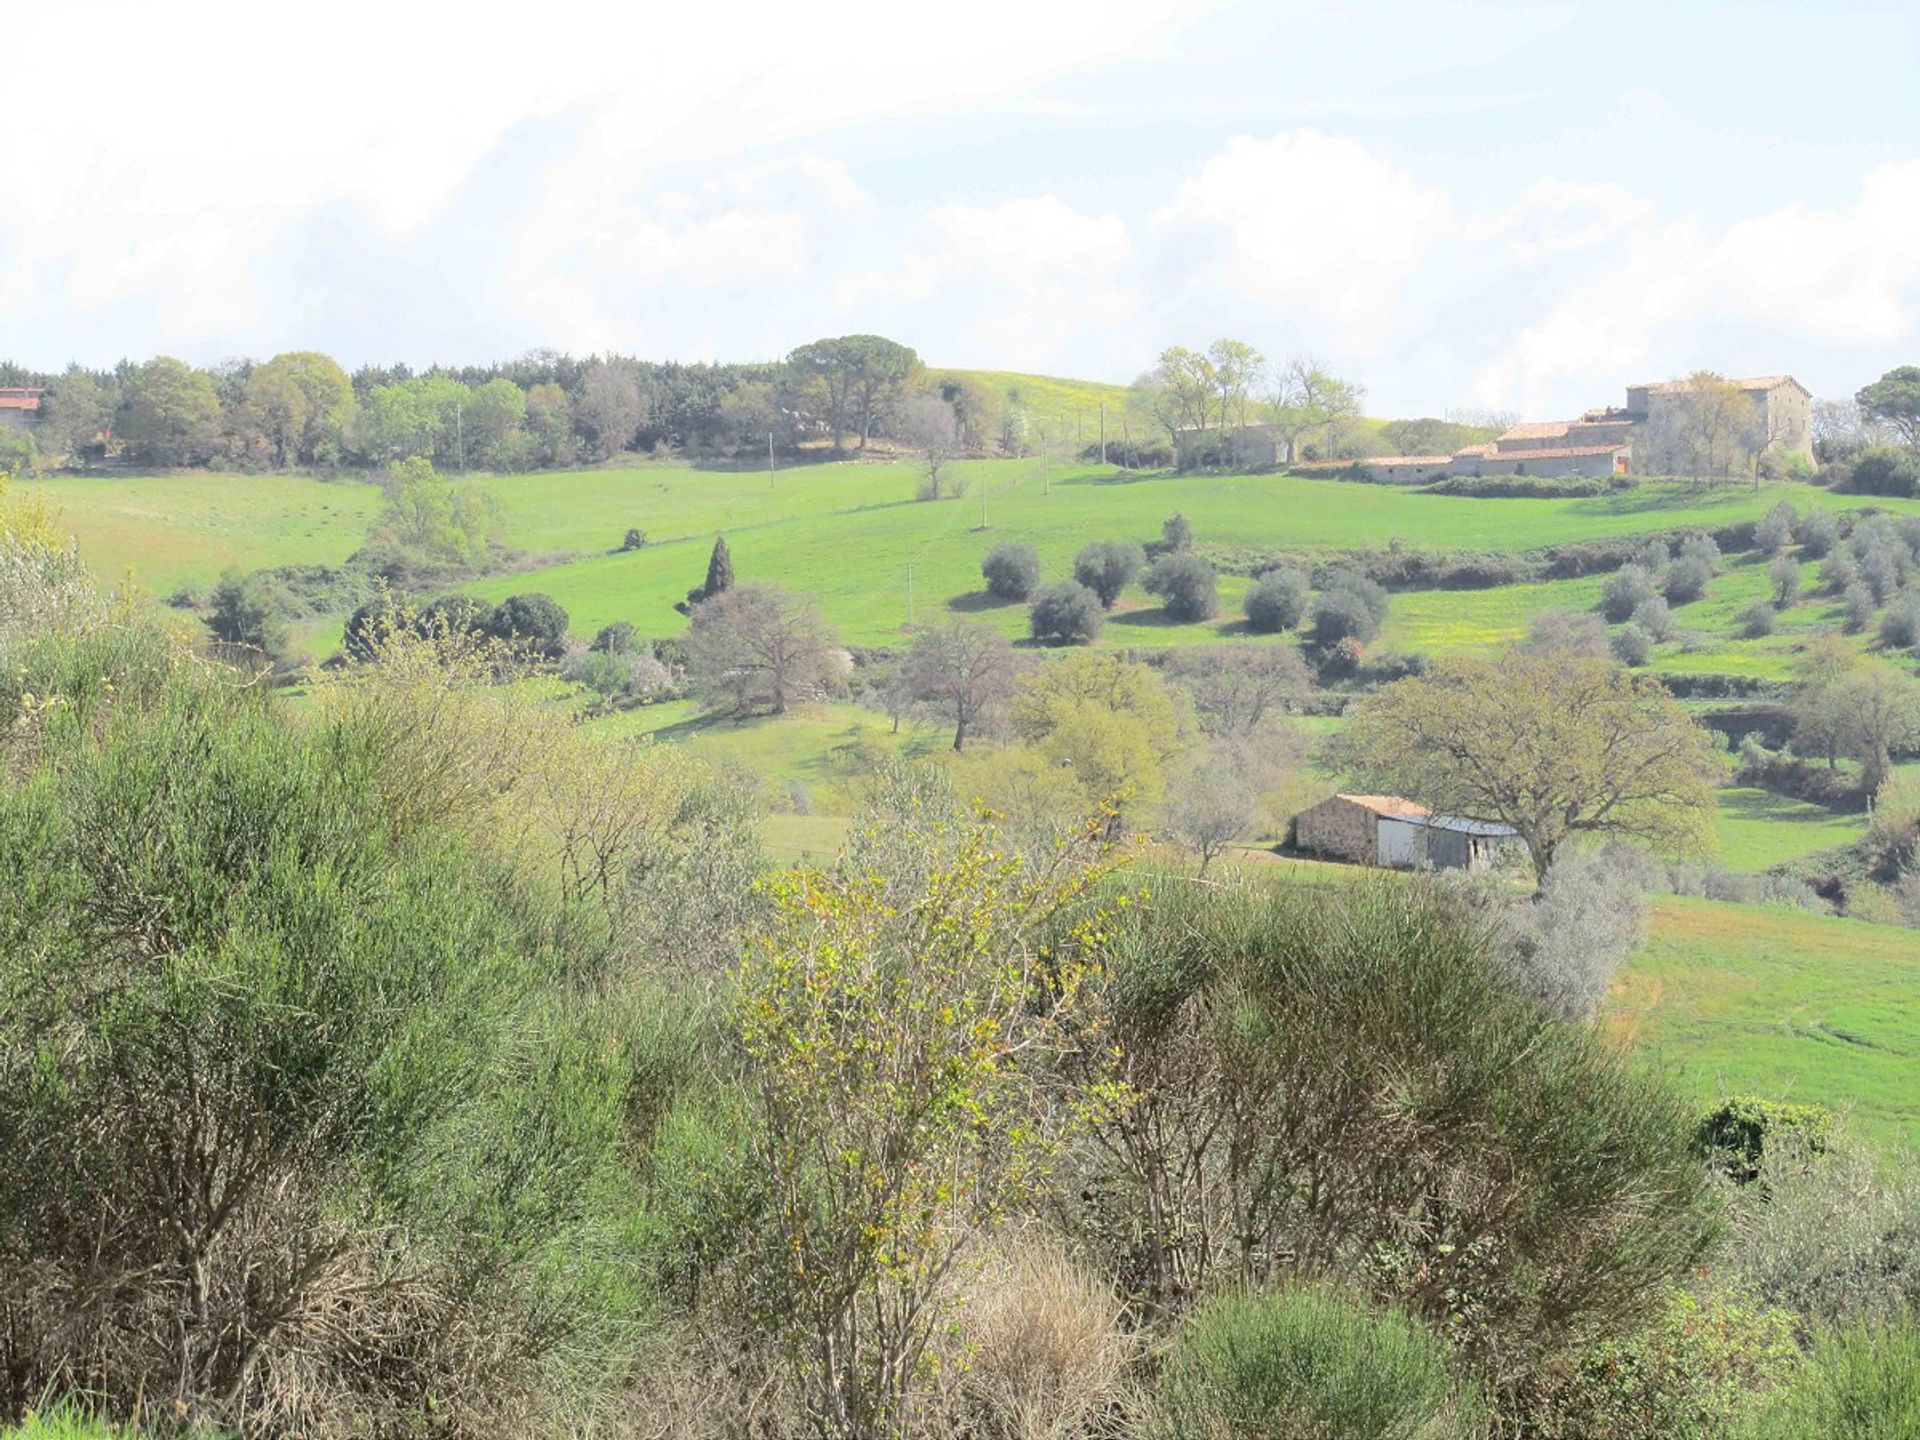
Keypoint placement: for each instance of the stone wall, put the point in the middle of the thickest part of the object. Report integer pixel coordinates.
(1337, 827)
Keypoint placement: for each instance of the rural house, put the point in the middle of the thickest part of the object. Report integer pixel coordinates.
(1389, 830)
(18, 406)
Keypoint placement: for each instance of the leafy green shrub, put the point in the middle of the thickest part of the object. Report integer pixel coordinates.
(1859, 1384)
(1756, 620)
(1654, 616)
(1176, 534)
(619, 638)
(1065, 613)
(1816, 532)
(1276, 601)
(1900, 625)
(331, 1129)
(1885, 470)
(1308, 1362)
(1734, 1135)
(1185, 585)
(1857, 606)
(1775, 530)
(245, 610)
(1351, 607)
(634, 539)
(1624, 592)
(1700, 1368)
(535, 622)
(1632, 645)
(1360, 1054)
(1687, 579)
(1012, 571)
(1107, 567)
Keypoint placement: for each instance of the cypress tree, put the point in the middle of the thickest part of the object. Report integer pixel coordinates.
(719, 570)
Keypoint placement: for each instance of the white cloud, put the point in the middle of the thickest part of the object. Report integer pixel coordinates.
(1302, 222)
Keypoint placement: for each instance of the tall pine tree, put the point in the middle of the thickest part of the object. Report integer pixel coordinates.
(719, 576)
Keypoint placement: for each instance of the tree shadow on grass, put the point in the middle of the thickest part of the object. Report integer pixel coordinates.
(976, 601)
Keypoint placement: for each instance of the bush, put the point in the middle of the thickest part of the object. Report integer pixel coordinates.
(1012, 571)
(1816, 532)
(1625, 591)
(1276, 601)
(1858, 606)
(1307, 1362)
(1107, 567)
(1186, 587)
(1733, 1136)
(456, 614)
(1885, 470)
(602, 672)
(406, 1124)
(1176, 534)
(1698, 1370)
(1775, 530)
(1339, 616)
(1838, 572)
(1632, 645)
(1859, 1384)
(1783, 580)
(1065, 613)
(1359, 1053)
(619, 638)
(1567, 632)
(1687, 579)
(1701, 547)
(1900, 625)
(245, 610)
(533, 622)
(634, 539)
(1756, 620)
(1655, 617)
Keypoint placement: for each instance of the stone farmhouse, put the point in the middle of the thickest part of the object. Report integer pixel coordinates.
(19, 406)
(1389, 830)
(1656, 432)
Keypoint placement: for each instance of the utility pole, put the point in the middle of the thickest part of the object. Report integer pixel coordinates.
(909, 592)
(1103, 432)
(769, 459)
(460, 437)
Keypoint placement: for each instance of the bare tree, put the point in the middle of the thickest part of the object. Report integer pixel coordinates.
(1236, 688)
(930, 426)
(760, 648)
(965, 670)
(1310, 397)
(612, 406)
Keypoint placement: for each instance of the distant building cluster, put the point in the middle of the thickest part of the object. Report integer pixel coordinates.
(1666, 428)
(1389, 830)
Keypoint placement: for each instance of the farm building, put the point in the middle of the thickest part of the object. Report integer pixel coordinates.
(18, 406)
(1389, 830)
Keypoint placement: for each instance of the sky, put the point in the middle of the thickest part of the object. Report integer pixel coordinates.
(1517, 207)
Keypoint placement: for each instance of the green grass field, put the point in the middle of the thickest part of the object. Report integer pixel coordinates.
(1758, 830)
(1742, 998)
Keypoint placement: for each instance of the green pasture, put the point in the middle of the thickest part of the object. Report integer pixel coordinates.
(1758, 830)
(172, 530)
(1734, 999)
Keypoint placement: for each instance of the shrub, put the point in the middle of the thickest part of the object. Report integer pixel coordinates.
(245, 610)
(619, 638)
(1107, 567)
(1883, 565)
(1307, 1362)
(1359, 1053)
(1900, 625)
(1756, 620)
(1632, 645)
(1701, 547)
(1185, 585)
(1065, 613)
(1176, 534)
(1655, 617)
(456, 614)
(533, 622)
(1012, 571)
(1783, 581)
(407, 1126)
(1583, 926)
(1733, 1136)
(371, 622)
(1885, 470)
(1816, 532)
(1687, 579)
(1570, 632)
(1341, 615)
(1653, 555)
(1859, 1384)
(1838, 572)
(1775, 530)
(1625, 591)
(1858, 606)
(1276, 601)
(602, 672)
(1698, 1370)
(634, 539)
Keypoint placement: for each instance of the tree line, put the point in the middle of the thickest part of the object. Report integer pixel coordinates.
(543, 410)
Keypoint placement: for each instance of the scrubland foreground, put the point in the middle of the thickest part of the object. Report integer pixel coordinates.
(414, 1062)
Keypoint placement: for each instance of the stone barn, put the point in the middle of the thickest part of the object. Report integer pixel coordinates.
(1349, 827)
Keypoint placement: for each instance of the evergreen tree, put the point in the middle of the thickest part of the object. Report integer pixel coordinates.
(719, 577)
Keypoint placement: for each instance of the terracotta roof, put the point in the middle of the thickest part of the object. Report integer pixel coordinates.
(16, 399)
(1753, 382)
(1385, 804)
(1556, 452)
(1475, 450)
(1535, 430)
